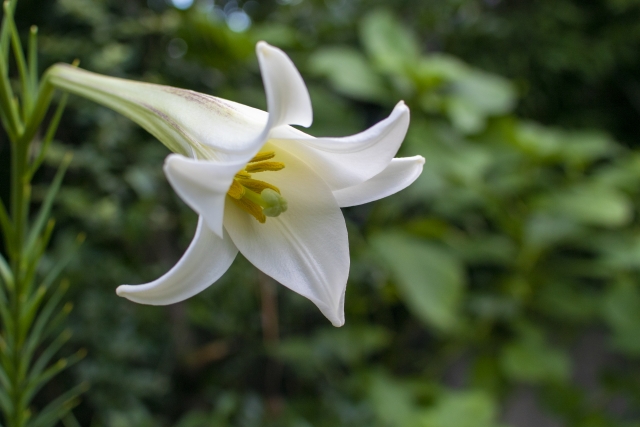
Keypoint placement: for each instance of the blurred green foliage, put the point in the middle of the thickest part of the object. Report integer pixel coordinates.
(508, 270)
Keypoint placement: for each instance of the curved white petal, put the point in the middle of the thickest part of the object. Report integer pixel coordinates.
(305, 248)
(196, 124)
(202, 185)
(344, 162)
(206, 259)
(288, 100)
(187, 122)
(400, 173)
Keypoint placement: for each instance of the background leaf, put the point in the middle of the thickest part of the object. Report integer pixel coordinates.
(429, 279)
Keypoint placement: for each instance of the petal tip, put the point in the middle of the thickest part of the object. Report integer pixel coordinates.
(123, 291)
(288, 99)
(263, 47)
(401, 108)
(338, 322)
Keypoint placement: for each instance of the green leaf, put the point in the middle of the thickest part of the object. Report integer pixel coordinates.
(621, 310)
(349, 344)
(47, 354)
(45, 209)
(430, 279)
(35, 383)
(387, 40)
(46, 319)
(591, 205)
(349, 73)
(5, 223)
(50, 133)
(59, 407)
(21, 63)
(577, 148)
(463, 409)
(6, 274)
(477, 95)
(530, 359)
(392, 401)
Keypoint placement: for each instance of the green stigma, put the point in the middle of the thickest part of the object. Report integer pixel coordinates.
(275, 203)
(271, 202)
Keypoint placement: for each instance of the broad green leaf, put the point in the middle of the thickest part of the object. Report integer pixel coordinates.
(429, 279)
(531, 359)
(544, 229)
(388, 42)
(392, 401)
(475, 96)
(462, 409)
(568, 301)
(591, 205)
(621, 310)
(350, 345)
(464, 115)
(466, 95)
(349, 73)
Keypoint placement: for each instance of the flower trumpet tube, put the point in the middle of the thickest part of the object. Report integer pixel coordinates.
(260, 186)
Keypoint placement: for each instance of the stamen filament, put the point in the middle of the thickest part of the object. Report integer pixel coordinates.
(255, 198)
(257, 186)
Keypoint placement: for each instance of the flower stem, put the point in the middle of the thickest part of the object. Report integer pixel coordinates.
(22, 323)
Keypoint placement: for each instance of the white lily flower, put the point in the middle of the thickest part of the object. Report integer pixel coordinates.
(260, 186)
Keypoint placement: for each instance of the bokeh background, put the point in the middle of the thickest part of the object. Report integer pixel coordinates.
(501, 289)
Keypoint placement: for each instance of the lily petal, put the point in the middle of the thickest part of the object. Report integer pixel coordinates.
(305, 248)
(288, 99)
(400, 173)
(202, 185)
(187, 122)
(344, 162)
(206, 259)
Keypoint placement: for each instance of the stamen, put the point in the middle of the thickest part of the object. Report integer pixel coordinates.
(273, 204)
(264, 166)
(257, 185)
(236, 190)
(263, 155)
(242, 175)
(251, 207)
(258, 198)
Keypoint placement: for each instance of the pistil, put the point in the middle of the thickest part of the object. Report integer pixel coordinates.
(256, 197)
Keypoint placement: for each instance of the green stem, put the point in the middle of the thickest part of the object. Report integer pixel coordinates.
(18, 194)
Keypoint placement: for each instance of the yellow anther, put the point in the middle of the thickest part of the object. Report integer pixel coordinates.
(258, 198)
(257, 185)
(242, 175)
(264, 166)
(236, 190)
(252, 208)
(263, 155)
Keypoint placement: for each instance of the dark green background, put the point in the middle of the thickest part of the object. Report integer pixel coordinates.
(501, 289)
